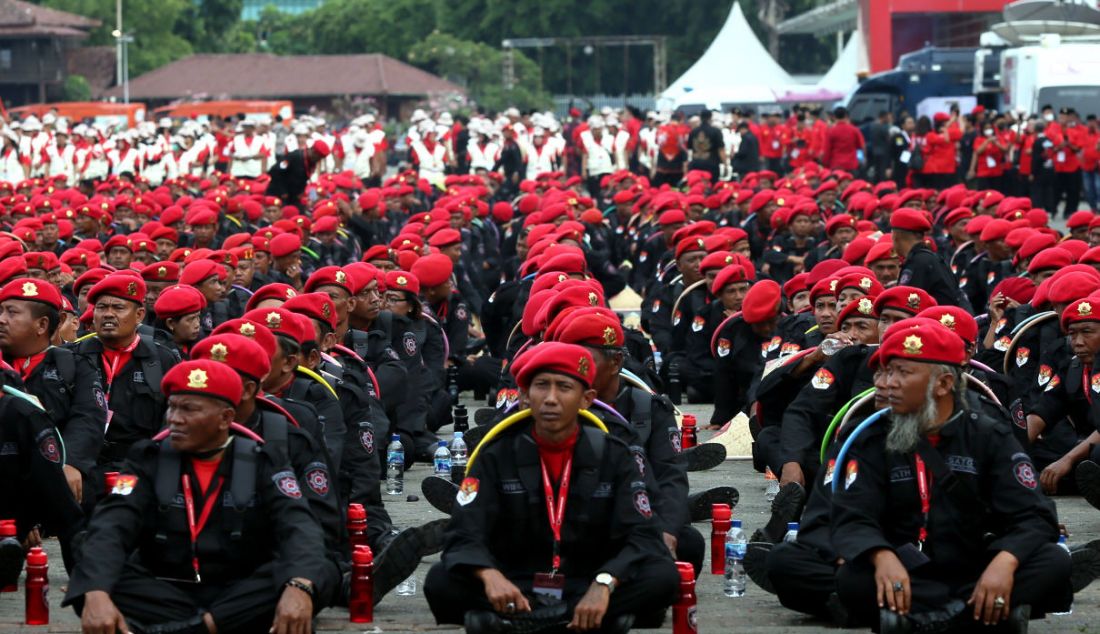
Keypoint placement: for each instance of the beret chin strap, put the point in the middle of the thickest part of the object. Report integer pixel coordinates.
(519, 416)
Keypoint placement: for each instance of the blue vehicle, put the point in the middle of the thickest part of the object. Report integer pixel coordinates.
(925, 80)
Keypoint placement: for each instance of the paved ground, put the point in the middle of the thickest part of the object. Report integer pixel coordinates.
(756, 612)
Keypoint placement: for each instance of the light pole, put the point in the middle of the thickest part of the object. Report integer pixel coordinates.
(124, 40)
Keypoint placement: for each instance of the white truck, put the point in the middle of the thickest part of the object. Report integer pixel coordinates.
(1062, 75)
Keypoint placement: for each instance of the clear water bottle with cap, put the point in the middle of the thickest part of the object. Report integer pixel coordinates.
(1064, 546)
(772, 488)
(441, 461)
(792, 532)
(831, 345)
(407, 588)
(395, 467)
(736, 545)
(458, 458)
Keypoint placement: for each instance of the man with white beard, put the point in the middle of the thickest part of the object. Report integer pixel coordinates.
(938, 515)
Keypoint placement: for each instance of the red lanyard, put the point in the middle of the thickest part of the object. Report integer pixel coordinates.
(110, 368)
(196, 528)
(925, 497)
(555, 507)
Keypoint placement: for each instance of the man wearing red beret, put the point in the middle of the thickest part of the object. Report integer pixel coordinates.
(177, 318)
(612, 571)
(264, 569)
(740, 347)
(66, 384)
(966, 558)
(921, 267)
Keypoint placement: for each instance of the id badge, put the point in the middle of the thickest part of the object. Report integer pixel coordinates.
(549, 584)
(911, 557)
(990, 162)
(906, 155)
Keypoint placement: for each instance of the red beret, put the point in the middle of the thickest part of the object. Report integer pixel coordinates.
(824, 269)
(239, 352)
(715, 260)
(571, 262)
(823, 287)
(690, 244)
(201, 216)
(672, 217)
(957, 215)
(838, 221)
(928, 343)
(326, 224)
(1036, 245)
(913, 220)
(1049, 259)
(1079, 219)
(275, 290)
(203, 378)
(285, 244)
(199, 271)
(444, 238)
(378, 252)
(866, 284)
(760, 200)
(858, 249)
(1067, 286)
(177, 301)
(560, 358)
(329, 276)
(593, 326)
(1082, 310)
(907, 299)
(1019, 289)
(254, 330)
(282, 322)
(862, 307)
(939, 117)
(761, 302)
(321, 148)
(32, 290)
(433, 270)
(796, 285)
(119, 240)
(502, 211)
(1076, 248)
(954, 319)
(995, 229)
(45, 260)
(318, 306)
(402, 281)
(728, 275)
(120, 285)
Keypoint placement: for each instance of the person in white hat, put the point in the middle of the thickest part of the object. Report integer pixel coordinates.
(248, 155)
(125, 159)
(92, 162)
(61, 155)
(429, 156)
(597, 152)
(12, 166)
(482, 152)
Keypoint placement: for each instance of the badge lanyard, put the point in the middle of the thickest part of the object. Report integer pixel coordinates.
(555, 508)
(196, 527)
(925, 498)
(111, 369)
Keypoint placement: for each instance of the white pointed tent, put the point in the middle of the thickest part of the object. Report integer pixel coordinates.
(853, 59)
(736, 68)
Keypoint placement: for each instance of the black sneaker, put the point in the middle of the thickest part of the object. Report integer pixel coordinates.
(705, 456)
(786, 508)
(756, 565)
(1085, 569)
(397, 561)
(890, 622)
(1018, 620)
(440, 493)
(699, 504)
(486, 415)
(11, 561)
(1088, 482)
(537, 620)
(618, 625)
(838, 612)
(431, 537)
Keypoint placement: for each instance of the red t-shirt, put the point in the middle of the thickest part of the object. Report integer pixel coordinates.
(990, 163)
(555, 455)
(204, 471)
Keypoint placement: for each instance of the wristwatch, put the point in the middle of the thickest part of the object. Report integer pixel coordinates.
(605, 579)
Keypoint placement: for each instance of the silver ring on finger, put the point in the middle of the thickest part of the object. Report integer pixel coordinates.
(999, 602)
(898, 586)
(510, 607)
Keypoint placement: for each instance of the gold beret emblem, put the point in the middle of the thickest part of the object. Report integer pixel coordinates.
(219, 352)
(912, 344)
(197, 380)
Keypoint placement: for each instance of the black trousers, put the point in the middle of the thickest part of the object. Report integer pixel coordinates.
(1067, 184)
(691, 547)
(1042, 581)
(803, 580)
(246, 606)
(767, 451)
(646, 595)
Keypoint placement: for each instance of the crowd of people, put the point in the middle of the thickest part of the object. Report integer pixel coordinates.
(210, 332)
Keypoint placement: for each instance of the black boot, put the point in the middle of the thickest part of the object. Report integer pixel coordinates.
(756, 559)
(704, 456)
(1088, 482)
(786, 508)
(699, 504)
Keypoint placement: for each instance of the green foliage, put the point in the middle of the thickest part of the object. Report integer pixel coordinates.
(479, 68)
(76, 88)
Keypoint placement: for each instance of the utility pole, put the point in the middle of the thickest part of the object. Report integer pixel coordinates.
(118, 41)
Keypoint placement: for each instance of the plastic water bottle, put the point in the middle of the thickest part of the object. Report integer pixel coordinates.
(772, 488)
(441, 462)
(736, 545)
(38, 588)
(361, 601)
(458, 458)
(395, 467)
(407, 588)
(792, 533)
(1064, 546)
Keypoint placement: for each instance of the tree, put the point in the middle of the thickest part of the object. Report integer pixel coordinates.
(76, 88)
(208, 24)
(479, 68)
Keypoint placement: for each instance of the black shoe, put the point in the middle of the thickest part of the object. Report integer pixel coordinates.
(890, 622)
(474, 436)
(538, 619)
(756, 565)
(431, 537)
(439, 492)
(396, 561)
(486, 415)
(699, 504)
(705, 456)
(838, 612)
(952, 618)
(483, 622)
(1088, 482)
(11, 561)
(786, 508)
(618, 625)
(1017, 622)
(1086, 568)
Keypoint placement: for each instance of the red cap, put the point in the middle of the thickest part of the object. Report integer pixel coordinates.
(927, 343)
(560, 358)
(275, 290)
(571, 262)
(176, 301)
(444, 238)
(32, 290)
(866, 284)
(282, 322)
(1082, 310)
(1079, 219)
(596, 327)
(862, 307)
(285, 244)
(238, 352)
(402, 281)
(796, 285)
(199, 271)
(957, 215)
(433, 270)
(330, 276)
(120, 285)
(688, 244)
(203, 378)
(761, 302)
(907, 299)
(838, 221)
(728, 275)
(671, 217)
(1049, 259)
(954, 319)
(318, 306)
(254, 330)
(995, 229)
(913, 220)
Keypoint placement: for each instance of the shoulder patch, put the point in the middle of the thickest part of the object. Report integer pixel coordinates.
(317, 479)
(287, 484)
(1022, 355)
(467, 491)
(851, 472)
(823, 378)
(1025, 474)
(1045, 372)
(125, 484)
(641, 504)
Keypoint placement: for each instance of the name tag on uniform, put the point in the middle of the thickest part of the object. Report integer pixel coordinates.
(905, 157)
(549, 584)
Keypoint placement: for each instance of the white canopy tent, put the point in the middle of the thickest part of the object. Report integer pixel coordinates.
(736, 68)
(842, 77)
